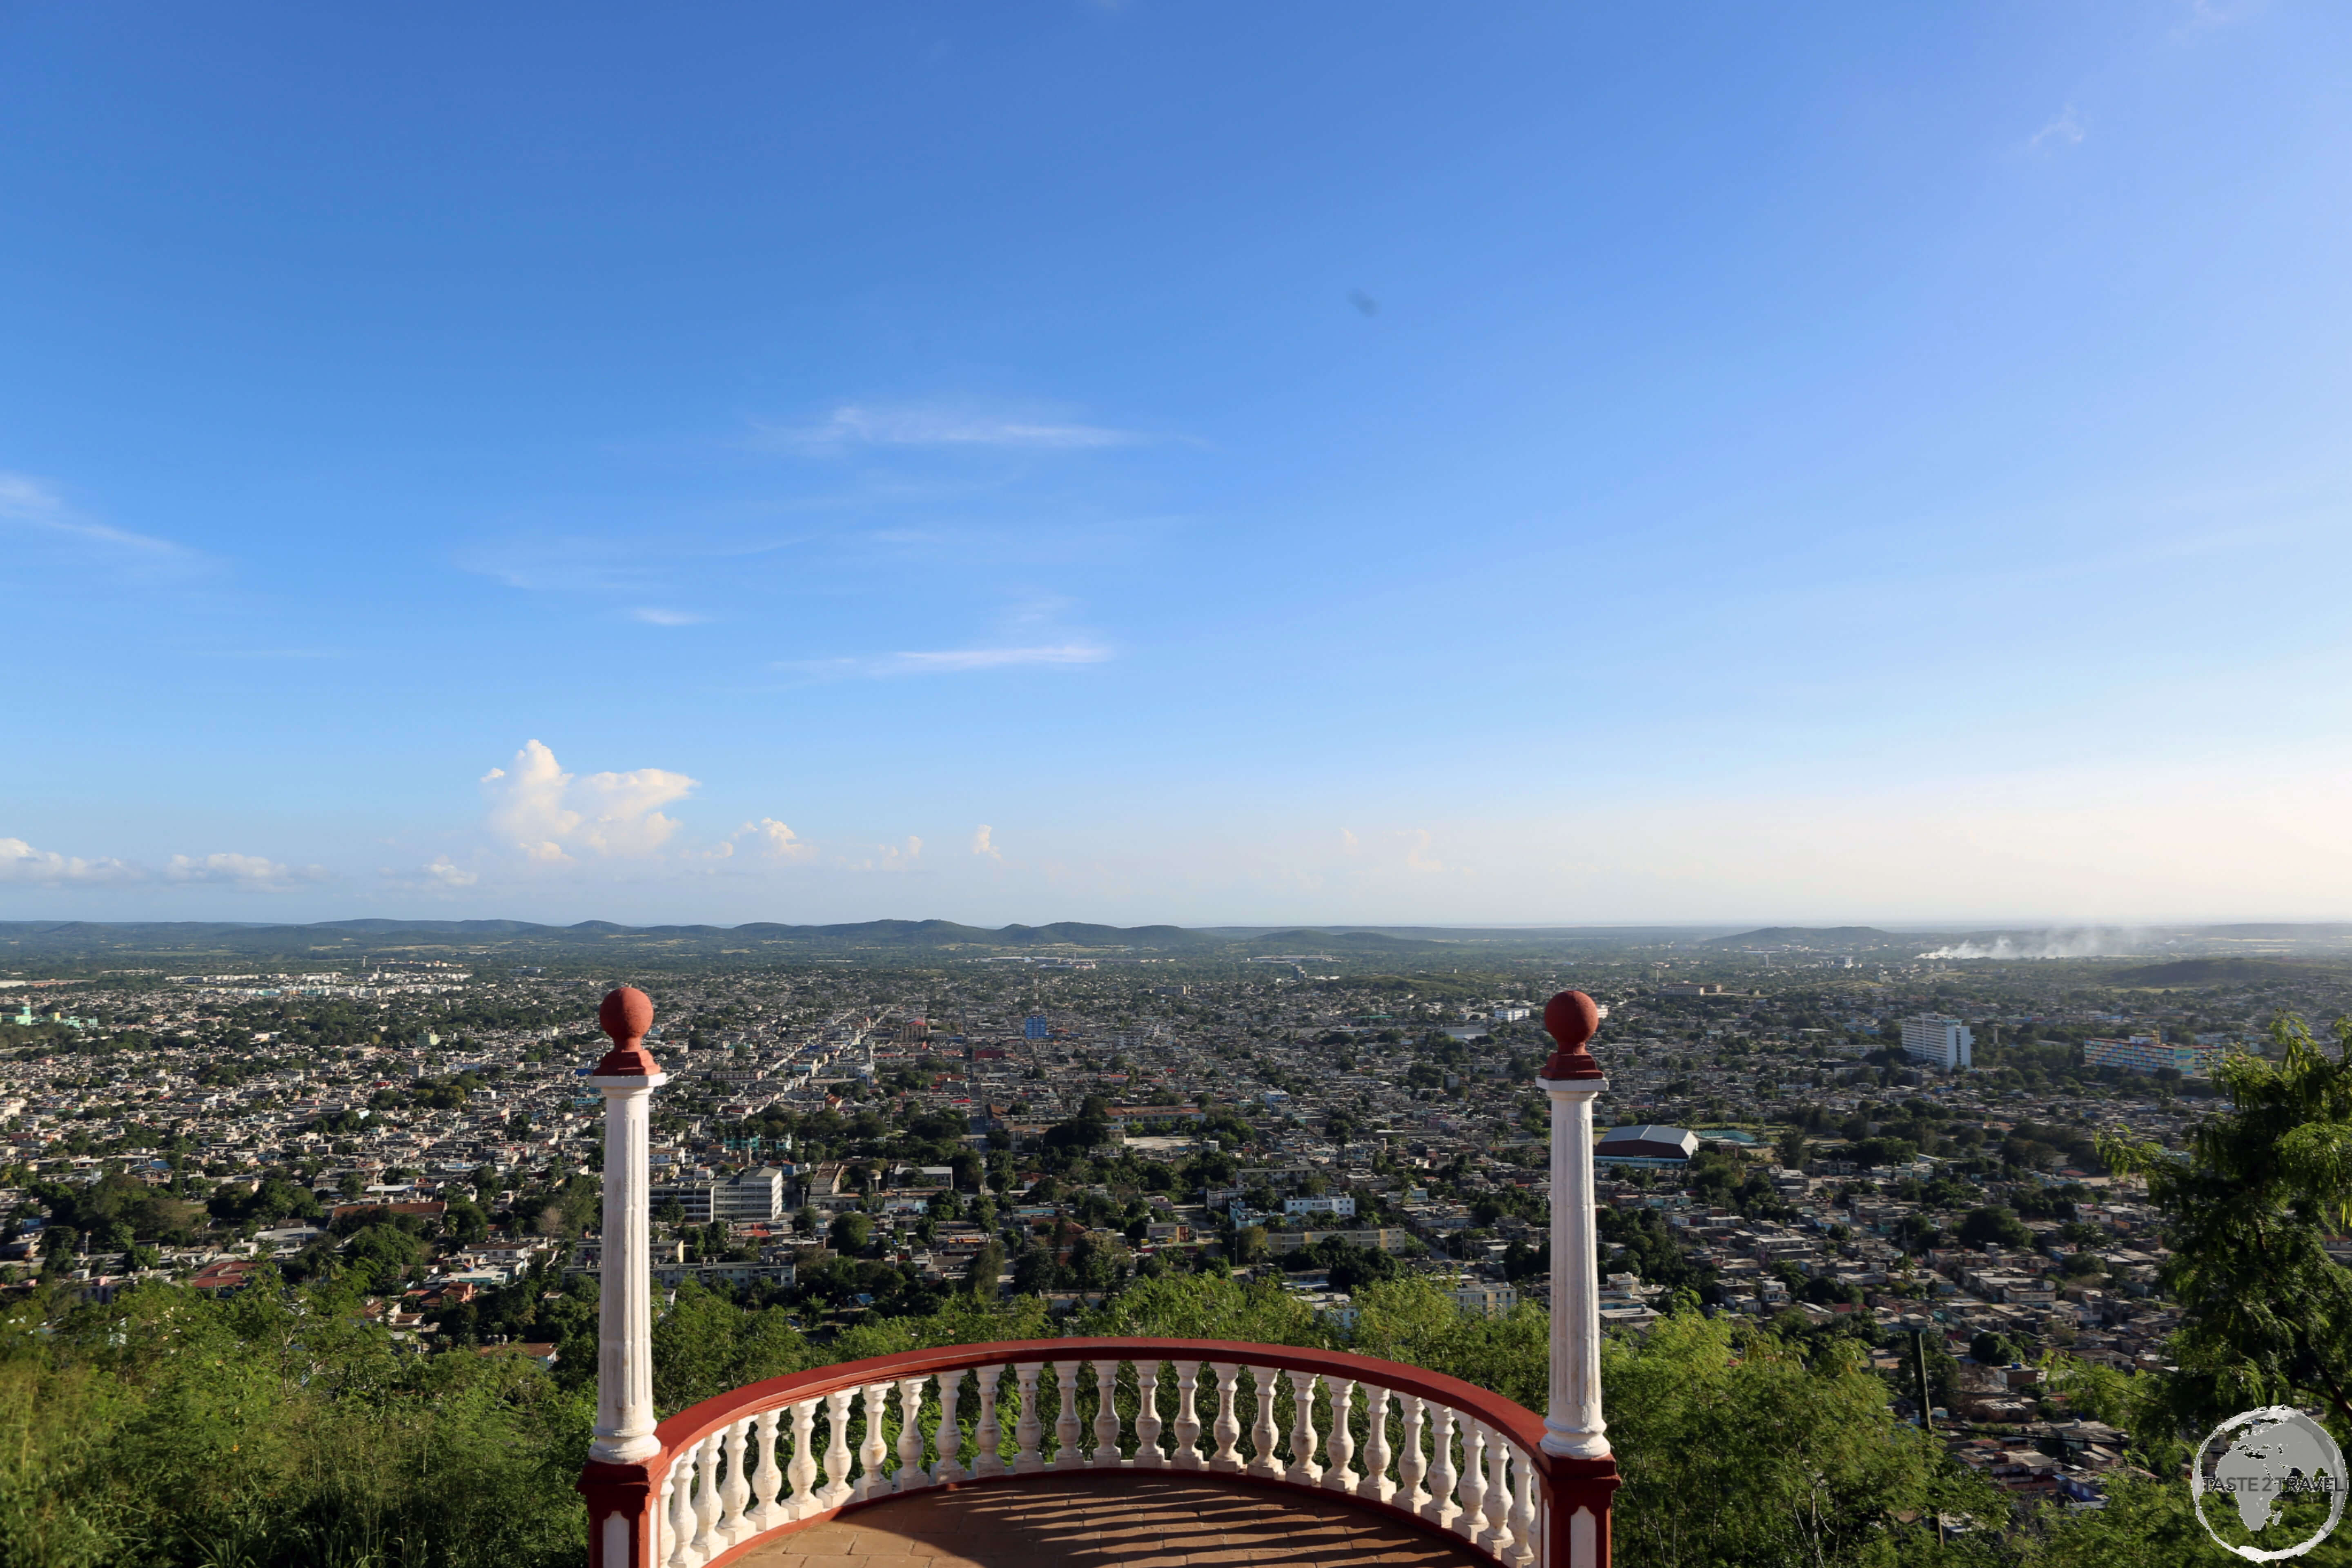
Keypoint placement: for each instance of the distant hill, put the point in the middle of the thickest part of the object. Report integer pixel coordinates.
(2216, 971)
(1819, 936)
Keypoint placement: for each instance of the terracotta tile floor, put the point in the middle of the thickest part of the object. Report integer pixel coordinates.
(1096, 1522)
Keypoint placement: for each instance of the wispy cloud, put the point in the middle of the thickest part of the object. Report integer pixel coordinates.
(983, 842)
(952, 661)
(660, 617)
(20, 862)
(2066, 130)
(867, 425)
(253, 872)
(30, 503)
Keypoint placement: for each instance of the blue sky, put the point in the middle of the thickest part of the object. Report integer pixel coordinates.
(1187, 462)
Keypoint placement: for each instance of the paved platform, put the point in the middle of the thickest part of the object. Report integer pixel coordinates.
(1096, 1522)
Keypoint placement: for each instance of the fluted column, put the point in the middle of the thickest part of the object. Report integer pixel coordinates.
(625, 1357)
(1581, 1472)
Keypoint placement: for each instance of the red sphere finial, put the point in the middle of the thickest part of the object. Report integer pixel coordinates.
(1570, 1018)
(627, 1014)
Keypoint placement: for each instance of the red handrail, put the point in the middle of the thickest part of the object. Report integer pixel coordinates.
(697, 1422)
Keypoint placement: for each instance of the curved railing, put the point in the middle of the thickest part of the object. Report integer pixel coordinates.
(1398, 1439)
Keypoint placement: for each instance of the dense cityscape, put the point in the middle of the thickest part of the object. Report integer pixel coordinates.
(1814, 1131)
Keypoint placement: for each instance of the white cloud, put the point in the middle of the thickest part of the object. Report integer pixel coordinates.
(445, 872)
(1348, 842)
(20, 862)
(659, 617)
(864, 425)
(2067, 127)
(888, 856)
(256, 873)
(983, 842)
(26, 501)
(956, 661)
(1418, 856)
(553, 817)
(776, 840)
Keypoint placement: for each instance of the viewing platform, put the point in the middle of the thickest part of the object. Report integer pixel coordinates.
(1032, 1453)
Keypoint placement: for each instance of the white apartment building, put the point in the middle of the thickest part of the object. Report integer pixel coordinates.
(1940, 1042)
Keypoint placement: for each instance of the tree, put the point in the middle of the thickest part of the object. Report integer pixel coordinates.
(2266, 1318)
(1991, 1349)
(1993, 1225)
(987, 1266)
(851, 1233)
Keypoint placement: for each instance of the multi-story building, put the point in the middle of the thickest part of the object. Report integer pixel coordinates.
(753, 1195)
(2146, 1053)
(1940, 1042)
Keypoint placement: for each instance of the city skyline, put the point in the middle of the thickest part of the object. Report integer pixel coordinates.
(1125, 464)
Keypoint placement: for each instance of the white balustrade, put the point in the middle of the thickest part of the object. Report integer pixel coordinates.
(767, 1468)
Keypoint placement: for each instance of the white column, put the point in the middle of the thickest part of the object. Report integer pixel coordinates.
(625, 1326)
(1572, 1424)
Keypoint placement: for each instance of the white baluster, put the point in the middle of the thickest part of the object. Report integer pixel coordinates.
(1262, 1430)
(682, 1553)
(735, 1491)
(950, 1436)
(1472, 1517)
(1026, 1459)
(767, 1479)
(911, 1476)
(1441, 1507)
(1304, 1471)
(665, 1536)
(1067, 1455)
(837, 1449)
(707, 1543)
(1188, 1415)
(987, 1437)
(1228, 1429)
(1342, 1474)
(1523, 1509)
(1497, 1537)
(801, 1472)
(1106, 1415)
(1147, 1416)
(875, 1450)
(1376, 1482)
(1412, 1464)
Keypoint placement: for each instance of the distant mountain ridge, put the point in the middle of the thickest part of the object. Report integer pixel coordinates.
(350, 940)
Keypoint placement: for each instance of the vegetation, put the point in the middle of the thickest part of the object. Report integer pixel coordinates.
(282, 1427)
